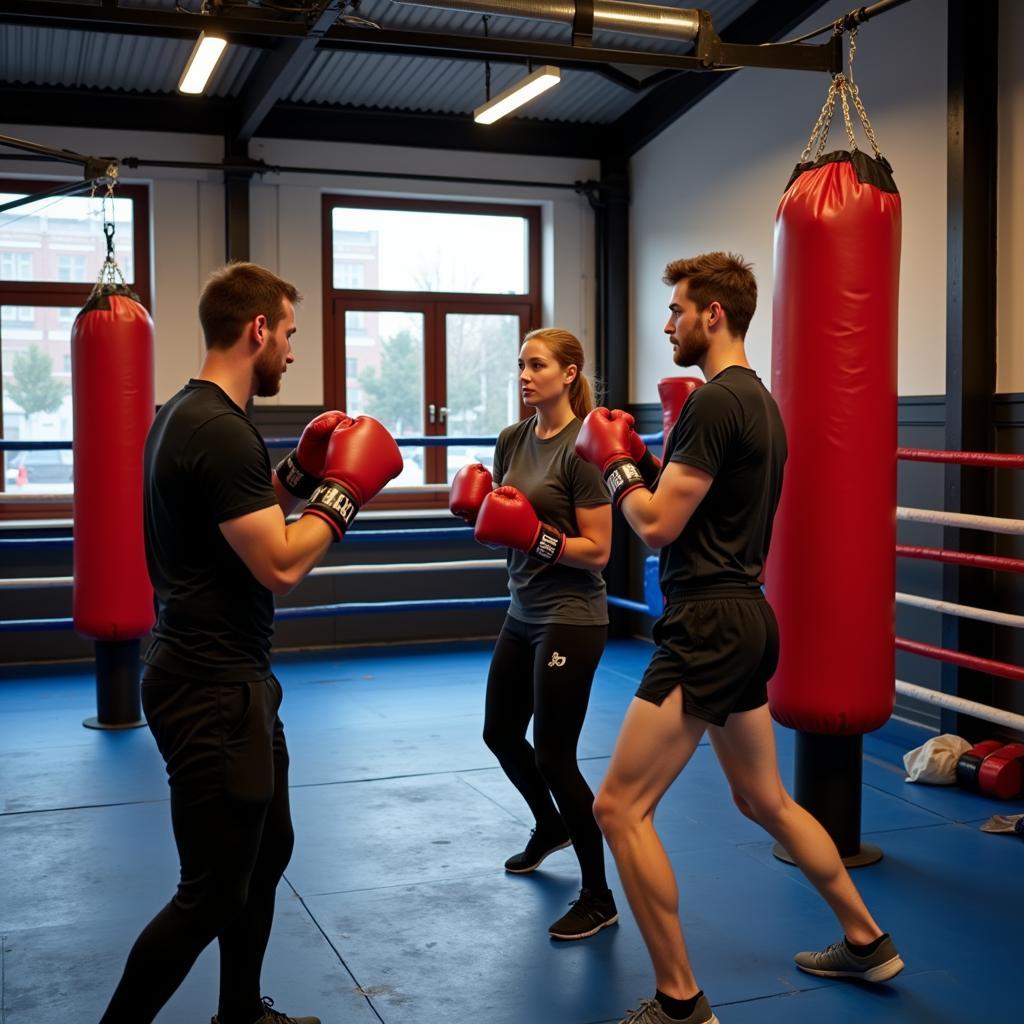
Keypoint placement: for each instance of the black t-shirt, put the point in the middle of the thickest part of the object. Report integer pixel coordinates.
(730, 428)
(205, 463)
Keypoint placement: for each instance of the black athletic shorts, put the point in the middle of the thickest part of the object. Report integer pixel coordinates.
(720, 649)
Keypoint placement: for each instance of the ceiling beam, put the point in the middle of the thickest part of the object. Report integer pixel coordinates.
(109, 109)
(279, 71)
(765, 21)
(438, 131)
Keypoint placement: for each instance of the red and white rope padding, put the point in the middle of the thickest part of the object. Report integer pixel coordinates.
(995, 460)
(971, 661)
(993, 524)
(961, 558)
(963, 611)
(967, 707)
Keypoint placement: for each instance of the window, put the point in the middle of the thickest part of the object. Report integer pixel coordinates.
(70, 268)
(428, 303)
(51, 253)
(16, 266)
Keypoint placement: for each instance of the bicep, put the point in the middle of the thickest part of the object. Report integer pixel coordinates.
(595, 524)
(255, 537)
(681, 488)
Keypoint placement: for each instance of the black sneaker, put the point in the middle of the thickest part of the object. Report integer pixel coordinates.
(272, 1016)
(587, 916)
(541, 845)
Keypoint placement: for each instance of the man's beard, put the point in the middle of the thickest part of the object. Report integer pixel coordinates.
(692, 348)
(268, 370)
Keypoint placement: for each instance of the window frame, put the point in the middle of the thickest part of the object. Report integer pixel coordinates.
(61, 293)
(435, 306)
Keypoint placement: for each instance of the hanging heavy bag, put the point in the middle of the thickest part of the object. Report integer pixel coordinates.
(831, 573)
(113, 394)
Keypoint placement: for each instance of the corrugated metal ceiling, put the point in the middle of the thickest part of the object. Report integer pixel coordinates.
(59, 57)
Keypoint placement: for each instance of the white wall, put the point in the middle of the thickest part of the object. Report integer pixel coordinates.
(1010, 261)
(187, 216)
(713, 180)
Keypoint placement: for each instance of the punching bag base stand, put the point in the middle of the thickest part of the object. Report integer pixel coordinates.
(95, 723)
(867, 854)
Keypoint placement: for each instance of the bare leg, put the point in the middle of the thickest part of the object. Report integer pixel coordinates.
(653, 747)
(745, 746)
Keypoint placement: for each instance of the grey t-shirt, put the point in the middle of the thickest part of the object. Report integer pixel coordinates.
(556, 482)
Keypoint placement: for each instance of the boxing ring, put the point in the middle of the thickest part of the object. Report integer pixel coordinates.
(651, 605)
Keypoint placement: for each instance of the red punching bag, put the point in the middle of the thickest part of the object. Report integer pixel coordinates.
(673, 392)
(831, 571)
(112, 386)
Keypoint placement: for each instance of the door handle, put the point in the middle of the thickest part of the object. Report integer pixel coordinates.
(444, 413)
(431, 413)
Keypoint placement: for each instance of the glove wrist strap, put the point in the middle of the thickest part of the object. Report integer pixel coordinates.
(649, 467)
(621, 477)
(334, 503)
(294, 478)
(548, 545)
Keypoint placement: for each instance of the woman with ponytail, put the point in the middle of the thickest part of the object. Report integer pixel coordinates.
(551, 509)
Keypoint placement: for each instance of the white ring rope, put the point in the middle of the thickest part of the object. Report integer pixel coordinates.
(992, 524)
(468, 563)
(964, 611)
(47, 582)
(37, 582)
(968, 707)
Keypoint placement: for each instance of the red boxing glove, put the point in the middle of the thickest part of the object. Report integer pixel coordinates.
(673, 392)
(604, 440)
(303, 467)
(361, 458)
(471, 485)
(507, 519)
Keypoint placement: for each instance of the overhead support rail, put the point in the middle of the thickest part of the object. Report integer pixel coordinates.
(96, 171)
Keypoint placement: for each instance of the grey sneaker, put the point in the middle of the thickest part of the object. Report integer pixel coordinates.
(650, 1012)
(839, 961)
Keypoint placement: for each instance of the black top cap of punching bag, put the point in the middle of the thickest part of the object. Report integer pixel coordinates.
(869, 170)
(100, 296)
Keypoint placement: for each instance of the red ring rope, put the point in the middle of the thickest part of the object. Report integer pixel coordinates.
(961, 558)
(993, 459)
(993, 668)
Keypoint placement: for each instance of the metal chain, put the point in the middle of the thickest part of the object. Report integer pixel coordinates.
(855, 96)
(846, 89)
(821, 126)
(110, 273)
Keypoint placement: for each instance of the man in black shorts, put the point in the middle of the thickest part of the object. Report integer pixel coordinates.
(710, 513)
(218, 548)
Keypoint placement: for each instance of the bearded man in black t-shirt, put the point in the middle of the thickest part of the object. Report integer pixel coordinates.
(218, 548)
(710, 512)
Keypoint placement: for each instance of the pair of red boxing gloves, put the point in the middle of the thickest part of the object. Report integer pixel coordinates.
(340, 463)
(503, 516)
(607, 440)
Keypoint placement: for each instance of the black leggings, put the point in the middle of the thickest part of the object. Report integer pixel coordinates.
(546, 671)
(227, 765)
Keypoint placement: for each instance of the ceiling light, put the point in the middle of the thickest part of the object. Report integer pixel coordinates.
(201, 63)
(516, 95)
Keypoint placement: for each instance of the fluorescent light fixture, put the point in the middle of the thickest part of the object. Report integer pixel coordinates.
(516, 95)
(201, 63)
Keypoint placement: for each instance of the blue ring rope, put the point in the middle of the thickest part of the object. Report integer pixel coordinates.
(435, 441)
